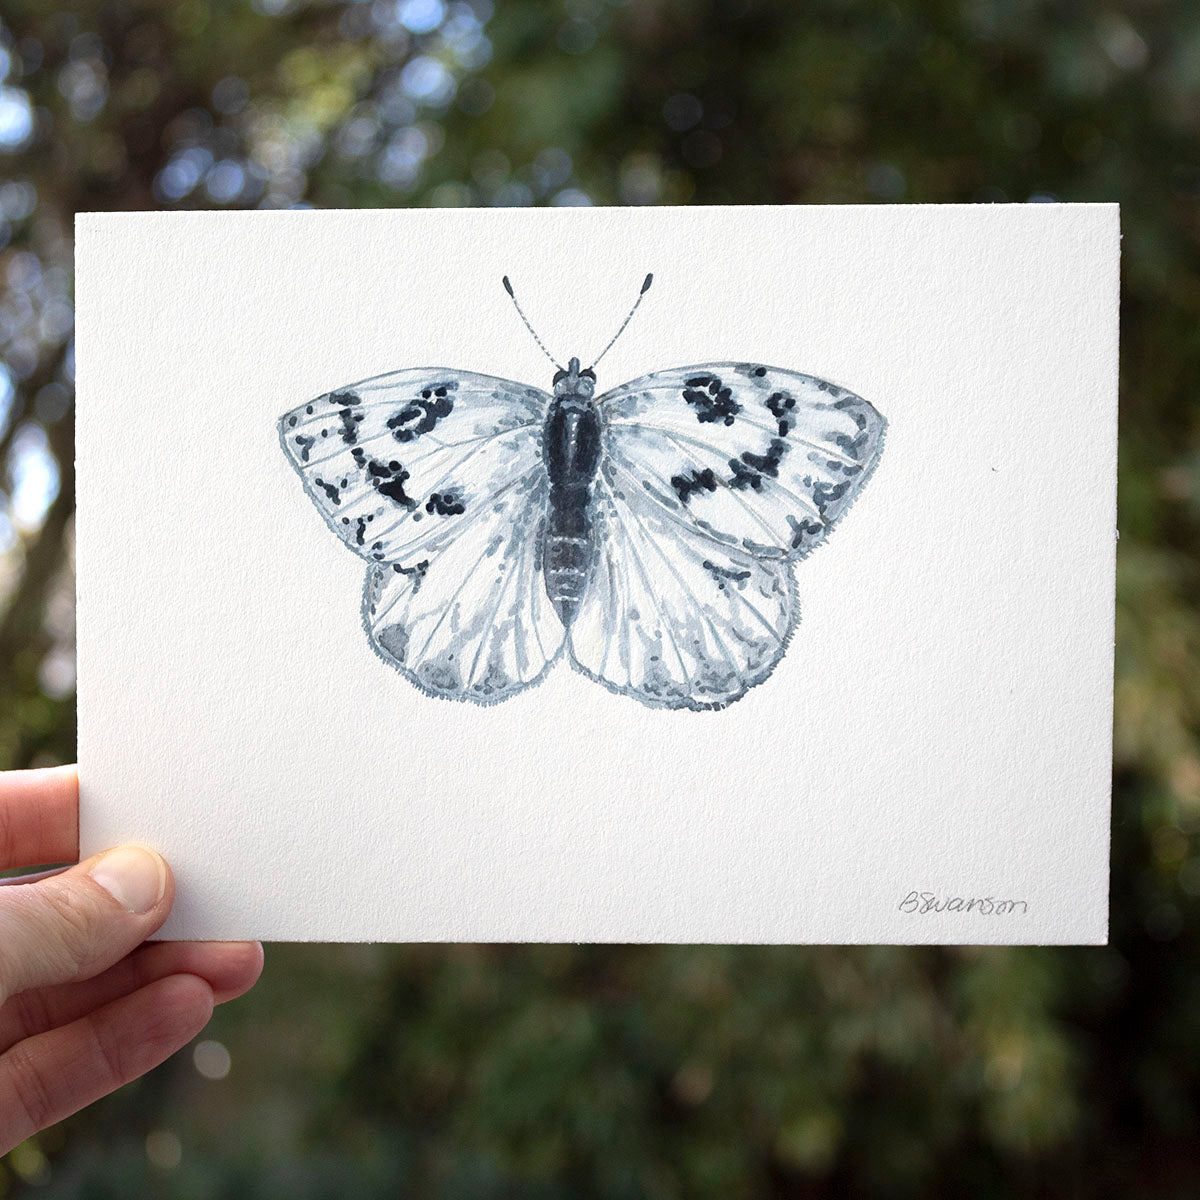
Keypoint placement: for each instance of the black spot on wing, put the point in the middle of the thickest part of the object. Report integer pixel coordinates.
(332, 490)
(803, 530)
(724, 575)
(305, 444)
(749, 470)
(697, 481)
(360, 531)
(782, 407)
(824, 494)
(851, 446)
(388, 480)
(711, 399)
(416, 573)
(393, 639)
(351, 419)
(445, 504)
(420, 415)
(854, 406)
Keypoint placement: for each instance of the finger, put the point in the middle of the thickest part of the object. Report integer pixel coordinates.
(229, 969)
(39, 816)
(48, 1077)
(78, 923)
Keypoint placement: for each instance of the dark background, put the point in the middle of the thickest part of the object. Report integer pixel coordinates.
(621, 1072)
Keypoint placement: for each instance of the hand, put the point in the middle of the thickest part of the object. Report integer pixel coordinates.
(84, 1006)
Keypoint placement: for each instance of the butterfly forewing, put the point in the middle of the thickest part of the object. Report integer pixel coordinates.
(401, 459)
(749, 455)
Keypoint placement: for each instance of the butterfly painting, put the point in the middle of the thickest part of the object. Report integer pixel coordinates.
(647, 534)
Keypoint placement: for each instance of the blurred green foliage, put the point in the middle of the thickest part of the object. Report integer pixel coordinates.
(616, 1071)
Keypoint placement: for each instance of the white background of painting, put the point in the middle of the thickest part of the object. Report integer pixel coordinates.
(940, 722)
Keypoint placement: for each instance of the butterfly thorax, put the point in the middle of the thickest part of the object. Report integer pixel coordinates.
(571, 452)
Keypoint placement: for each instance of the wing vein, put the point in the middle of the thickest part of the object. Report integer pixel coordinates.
(507, 578)
(666, 624)
(458, 590)
(701, 534)
(533, 606)
(702, 609)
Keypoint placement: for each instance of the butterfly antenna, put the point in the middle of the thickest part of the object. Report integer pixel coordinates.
(509, 289)
(645, 288)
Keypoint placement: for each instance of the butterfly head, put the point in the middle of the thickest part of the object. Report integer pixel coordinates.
(574, 382)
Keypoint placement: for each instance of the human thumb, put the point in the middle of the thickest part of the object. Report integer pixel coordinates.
(75, 924)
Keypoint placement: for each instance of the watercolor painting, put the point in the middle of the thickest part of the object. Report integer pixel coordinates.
(649, 533)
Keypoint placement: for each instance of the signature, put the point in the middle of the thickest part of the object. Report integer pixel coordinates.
(928, 902)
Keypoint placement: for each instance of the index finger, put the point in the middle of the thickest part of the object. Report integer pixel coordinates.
(39, 816)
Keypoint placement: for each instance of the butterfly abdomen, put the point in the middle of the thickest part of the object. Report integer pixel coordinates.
(571, 450)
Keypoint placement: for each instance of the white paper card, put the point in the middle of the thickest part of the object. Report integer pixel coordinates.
(929, 760)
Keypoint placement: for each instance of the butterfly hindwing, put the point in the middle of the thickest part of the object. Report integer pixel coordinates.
(396, 460)
(670, 616)
(471, 618)
(753, 456)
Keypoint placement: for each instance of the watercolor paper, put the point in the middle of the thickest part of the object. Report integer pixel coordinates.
(417, 605)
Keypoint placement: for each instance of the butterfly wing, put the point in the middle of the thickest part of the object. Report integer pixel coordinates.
(712, 479)
(671, 616)
(435, 477)
(754, 456)
(471, 618)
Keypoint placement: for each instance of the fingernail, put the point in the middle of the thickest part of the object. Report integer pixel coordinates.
(134, 876)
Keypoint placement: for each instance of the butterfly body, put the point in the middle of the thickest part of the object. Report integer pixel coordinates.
(648, 534)
(571, 450)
